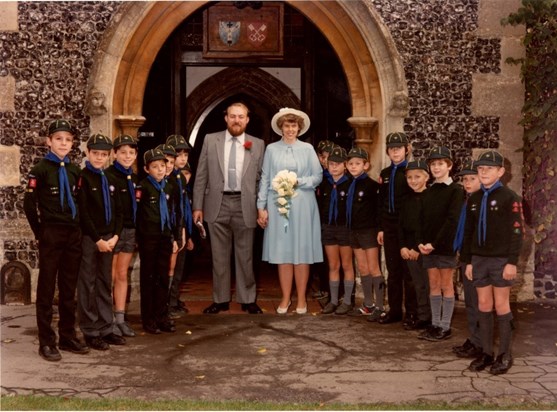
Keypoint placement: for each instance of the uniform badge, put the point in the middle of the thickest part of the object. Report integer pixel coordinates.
(111, 188)
(32, 184)
(360, 193)
(138, 193)
(79, 182)
(493, 202)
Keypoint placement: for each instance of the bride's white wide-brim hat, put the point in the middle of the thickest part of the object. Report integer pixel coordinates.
(288, 110)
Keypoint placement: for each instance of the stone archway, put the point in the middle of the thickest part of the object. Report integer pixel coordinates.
(364, 46)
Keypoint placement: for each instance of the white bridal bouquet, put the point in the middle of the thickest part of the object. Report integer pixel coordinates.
(284, 183)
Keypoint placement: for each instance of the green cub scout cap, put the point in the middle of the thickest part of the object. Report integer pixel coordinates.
(490, 158)
(439, 152)
(338, 155)
(99, 142)
(167, 149)
(357, 152)
(124, 139)
(152, 155)
(468, 168)
(178, 142)
(325, 146)
(417, 165)
(60, 125)
(397, 139)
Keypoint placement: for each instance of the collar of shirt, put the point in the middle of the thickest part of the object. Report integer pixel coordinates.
(448, 181)
(241, 138)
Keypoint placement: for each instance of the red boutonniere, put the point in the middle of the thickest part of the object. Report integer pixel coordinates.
(247, 145)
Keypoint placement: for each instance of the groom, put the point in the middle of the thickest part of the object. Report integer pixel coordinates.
(224, 195)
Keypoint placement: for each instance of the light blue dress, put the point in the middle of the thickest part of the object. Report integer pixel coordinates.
(297, 239)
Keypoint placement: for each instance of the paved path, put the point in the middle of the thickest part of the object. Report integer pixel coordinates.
(311, 358)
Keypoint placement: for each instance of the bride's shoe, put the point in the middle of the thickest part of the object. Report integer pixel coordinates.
(282, 311)
(302, 311)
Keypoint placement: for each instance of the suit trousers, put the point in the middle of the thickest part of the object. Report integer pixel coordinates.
(227, 230)
(59, 258)
(420, 281)
(94, 290)
(399, 282)
(154, 254)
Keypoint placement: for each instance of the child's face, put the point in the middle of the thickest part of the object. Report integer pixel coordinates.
(170, 164)
(336, 169)
(60, 143)
(98, 158)
(440, 169)
(156, 169)
(417, 179)
(489, 175)
(356, 166)
(397, 154)
(323, 156)
(125, 155)
(471, 183)
(181, 159)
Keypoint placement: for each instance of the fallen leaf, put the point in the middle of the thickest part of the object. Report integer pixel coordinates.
(200, 377)
(181, 345)
(188, 332)
(8, 340)
(262, 350)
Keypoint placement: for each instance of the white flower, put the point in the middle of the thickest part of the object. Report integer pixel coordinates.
(283, 211)
(282, 201)
(284, 184)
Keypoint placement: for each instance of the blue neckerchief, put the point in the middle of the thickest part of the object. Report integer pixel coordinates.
(65, 191)
(392, 185)
(482, 222)
(131, 188)
(106, 191)
(326, 173)
(163, 206)
(333, 203)
(459, 237)
(185, 206)
(350, 197)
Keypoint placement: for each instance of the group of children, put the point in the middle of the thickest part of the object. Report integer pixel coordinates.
(426, 223)
(88, 222)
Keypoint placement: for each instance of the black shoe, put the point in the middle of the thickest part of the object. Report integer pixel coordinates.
(467, 350)
(251, 308)
(481, 362)
(151, 328)
(422, 324)
(438, 334)
(429, 331)
(502, 365)
(389, 317)
(216, 308)
(166, 326)
(409, 323)
(114, 339)
(74, 346)
(97, 343)
(50, 353)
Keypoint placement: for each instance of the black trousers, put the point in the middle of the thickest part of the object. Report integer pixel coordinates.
(399, 282)
(59, 259)
(154, 253)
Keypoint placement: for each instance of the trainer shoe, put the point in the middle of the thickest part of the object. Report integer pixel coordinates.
(343, 309)
(375, 315)
(362, 310)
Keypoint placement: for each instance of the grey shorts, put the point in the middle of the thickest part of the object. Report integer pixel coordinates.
(335, 235)
(363, 238)
(126, 242)
(488, 271)
(439, 261)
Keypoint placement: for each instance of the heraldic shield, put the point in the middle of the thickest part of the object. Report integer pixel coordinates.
(229, 32)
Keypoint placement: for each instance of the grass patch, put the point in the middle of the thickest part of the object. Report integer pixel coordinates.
(54, 403)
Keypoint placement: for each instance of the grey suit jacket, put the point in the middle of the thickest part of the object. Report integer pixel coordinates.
(209, 178)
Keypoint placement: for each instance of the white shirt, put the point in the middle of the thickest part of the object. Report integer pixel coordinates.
(240, 151)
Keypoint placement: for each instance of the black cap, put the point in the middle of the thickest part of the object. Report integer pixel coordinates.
(338, 155)
(357, 152)
(152, 155)
(439, 152)
(417, 165)
(397, 139)
(490, 158)
(325, 146)
(468, 168)
(61, 125)
(124, 139)
(167, 150)
(99, 142)
(178, 142)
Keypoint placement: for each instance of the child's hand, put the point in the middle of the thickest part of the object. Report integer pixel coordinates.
(380, 238)
(103, 246)
(112, 242)
(509, 272)
(425, 249)
(189, 244)
(174, 247)
(405, 253)
(468, 272)
(414, 255)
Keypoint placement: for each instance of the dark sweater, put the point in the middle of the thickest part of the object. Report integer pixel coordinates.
(120, 181)
(91, 207)
(504, 226)
(364, 206)
(324, 200)
(402, 190)
(441, 211)
(148, 210)
(410, 220)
